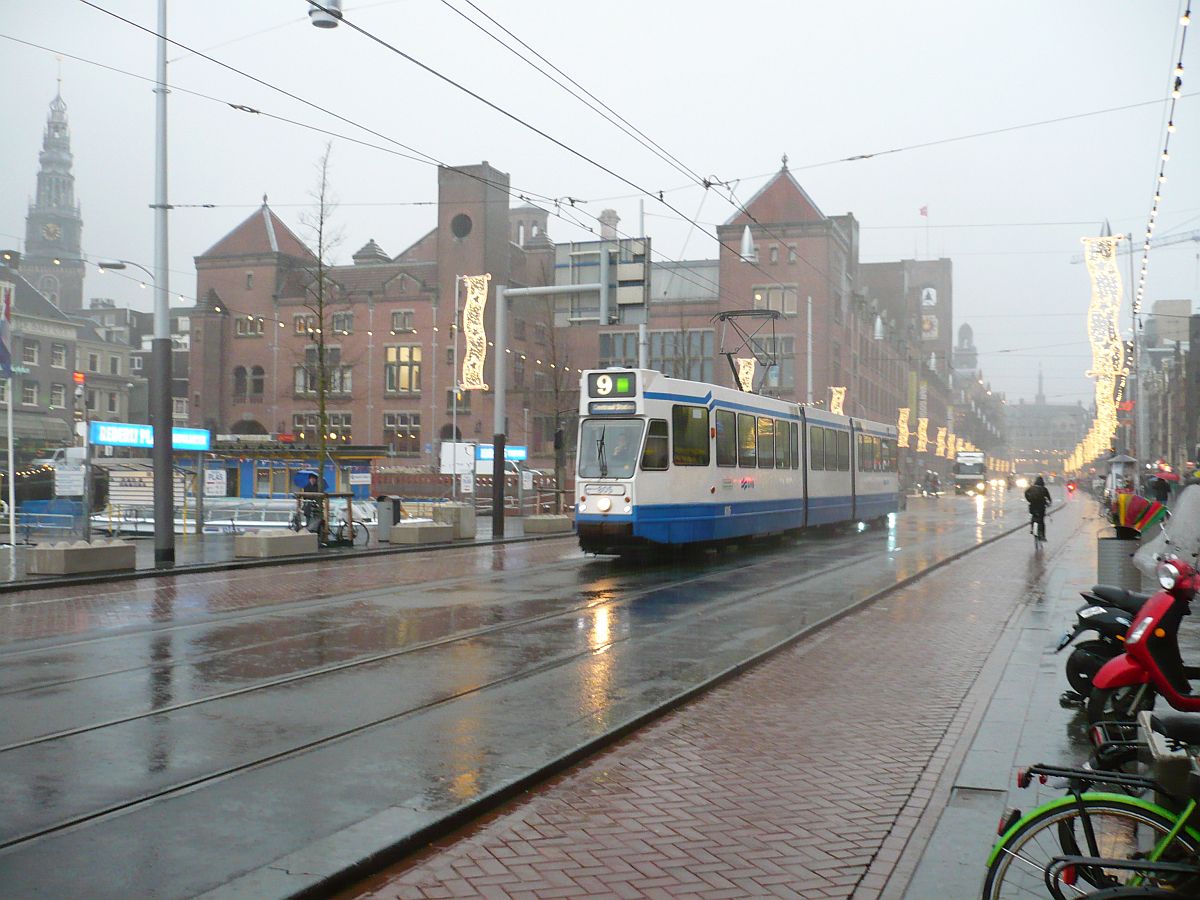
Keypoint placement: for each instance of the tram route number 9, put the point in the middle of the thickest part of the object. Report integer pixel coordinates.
(615, 384)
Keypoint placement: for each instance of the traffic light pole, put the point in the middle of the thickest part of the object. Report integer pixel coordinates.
(500, 417)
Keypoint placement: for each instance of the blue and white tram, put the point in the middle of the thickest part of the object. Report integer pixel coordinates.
(667, 461)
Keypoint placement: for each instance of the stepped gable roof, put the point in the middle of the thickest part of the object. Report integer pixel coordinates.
(261, 233)
(370, 252)
(780, 201)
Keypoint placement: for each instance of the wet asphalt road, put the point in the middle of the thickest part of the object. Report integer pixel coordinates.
(190, 741)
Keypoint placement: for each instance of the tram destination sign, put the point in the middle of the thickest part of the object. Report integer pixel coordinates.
(612, 408)
(612, 384)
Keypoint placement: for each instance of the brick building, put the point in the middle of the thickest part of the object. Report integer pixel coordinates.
(388, 330)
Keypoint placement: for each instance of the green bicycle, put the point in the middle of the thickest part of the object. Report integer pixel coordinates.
(1093, 840)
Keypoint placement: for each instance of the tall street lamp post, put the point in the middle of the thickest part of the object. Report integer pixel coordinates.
(160, 347)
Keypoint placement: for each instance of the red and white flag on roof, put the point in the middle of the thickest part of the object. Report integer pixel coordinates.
(925, 211)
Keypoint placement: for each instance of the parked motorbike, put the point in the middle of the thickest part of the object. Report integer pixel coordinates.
(1151, 664)
(1109, 624)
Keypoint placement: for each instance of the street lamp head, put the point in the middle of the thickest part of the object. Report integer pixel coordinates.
(325, 13)
(111, 265)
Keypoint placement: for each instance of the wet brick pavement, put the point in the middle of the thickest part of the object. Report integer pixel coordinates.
(804, 777)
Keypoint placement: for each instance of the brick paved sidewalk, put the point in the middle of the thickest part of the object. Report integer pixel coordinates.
(804, 777)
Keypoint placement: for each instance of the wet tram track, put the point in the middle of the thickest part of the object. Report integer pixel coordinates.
(232, 578)
(685, 621)
(278, 609)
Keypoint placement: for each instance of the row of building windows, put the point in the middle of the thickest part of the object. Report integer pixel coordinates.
(31, 355)
(401, 374)
(31, 395)
(403, 321)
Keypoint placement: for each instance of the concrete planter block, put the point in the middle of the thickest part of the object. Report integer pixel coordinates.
(81, 558)
(267, 544)
(547, 524)
(422, 533)
(460, 515)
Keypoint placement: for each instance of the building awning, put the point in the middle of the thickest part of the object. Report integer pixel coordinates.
(36, 427)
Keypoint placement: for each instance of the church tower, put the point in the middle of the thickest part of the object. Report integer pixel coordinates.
(53, 260)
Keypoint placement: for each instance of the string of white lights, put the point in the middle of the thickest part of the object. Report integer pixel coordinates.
(1176, 93)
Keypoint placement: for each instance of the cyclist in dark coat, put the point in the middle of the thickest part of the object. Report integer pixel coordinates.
(1038, 498)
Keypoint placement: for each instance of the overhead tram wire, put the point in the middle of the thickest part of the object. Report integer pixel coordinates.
(603, 110)
(585, 90)
(559, 210)
(538, 131)
(424, 157)
(514, 117)
(427, 158)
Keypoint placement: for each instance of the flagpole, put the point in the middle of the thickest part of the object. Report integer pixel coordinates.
(8, 291)
(12, 472)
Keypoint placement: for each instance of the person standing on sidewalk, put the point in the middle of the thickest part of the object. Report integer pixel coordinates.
(1038, 498)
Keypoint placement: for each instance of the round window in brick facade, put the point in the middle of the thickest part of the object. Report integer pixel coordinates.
(460, 225)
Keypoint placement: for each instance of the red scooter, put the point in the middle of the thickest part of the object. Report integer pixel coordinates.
(1151, 664)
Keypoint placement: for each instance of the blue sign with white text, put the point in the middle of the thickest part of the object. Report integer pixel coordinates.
(120, 434)
(512, 452)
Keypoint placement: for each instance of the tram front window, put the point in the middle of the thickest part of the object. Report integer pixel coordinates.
(608, 448)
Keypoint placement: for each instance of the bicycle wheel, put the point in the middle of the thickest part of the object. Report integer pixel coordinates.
(360, 537)
(1124, 828)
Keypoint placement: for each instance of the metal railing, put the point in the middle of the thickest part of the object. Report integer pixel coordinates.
(45, 526)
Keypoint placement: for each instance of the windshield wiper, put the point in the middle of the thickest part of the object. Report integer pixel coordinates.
(600, 454)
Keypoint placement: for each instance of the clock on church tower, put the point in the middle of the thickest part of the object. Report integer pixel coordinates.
(51, 231)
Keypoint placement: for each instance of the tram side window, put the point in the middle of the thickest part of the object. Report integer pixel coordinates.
(795, 444)
(747, 441)
(816, 448)
(691, 435)
(889, 455)
(831, 457)
(766, 443)
(843, 450)
(781, 445)
(654, 457)
(726, 438)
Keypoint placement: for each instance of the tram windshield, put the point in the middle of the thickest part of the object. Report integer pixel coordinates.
(608, 448)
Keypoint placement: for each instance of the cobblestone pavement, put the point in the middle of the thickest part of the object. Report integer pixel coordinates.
(804, 777)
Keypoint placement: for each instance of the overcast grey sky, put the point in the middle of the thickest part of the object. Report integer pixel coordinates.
(726, 88)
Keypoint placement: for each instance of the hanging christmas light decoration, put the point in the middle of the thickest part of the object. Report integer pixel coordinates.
(745, 370)
(922, 435)
(940, 447)
(473, 332)
(902, 432)
(837, 400)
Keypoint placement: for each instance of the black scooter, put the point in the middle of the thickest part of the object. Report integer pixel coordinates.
(1107, 611)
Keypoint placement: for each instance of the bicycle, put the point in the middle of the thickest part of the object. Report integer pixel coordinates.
(1038, 541)
(359, 536)
(1096, 839)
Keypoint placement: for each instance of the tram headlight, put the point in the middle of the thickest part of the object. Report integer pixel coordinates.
(628, 509)
(604, 504)
(981, 486)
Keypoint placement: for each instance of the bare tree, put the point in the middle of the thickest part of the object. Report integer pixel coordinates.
(320, 294)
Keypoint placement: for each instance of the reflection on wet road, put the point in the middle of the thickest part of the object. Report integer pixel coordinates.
(196, 712)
